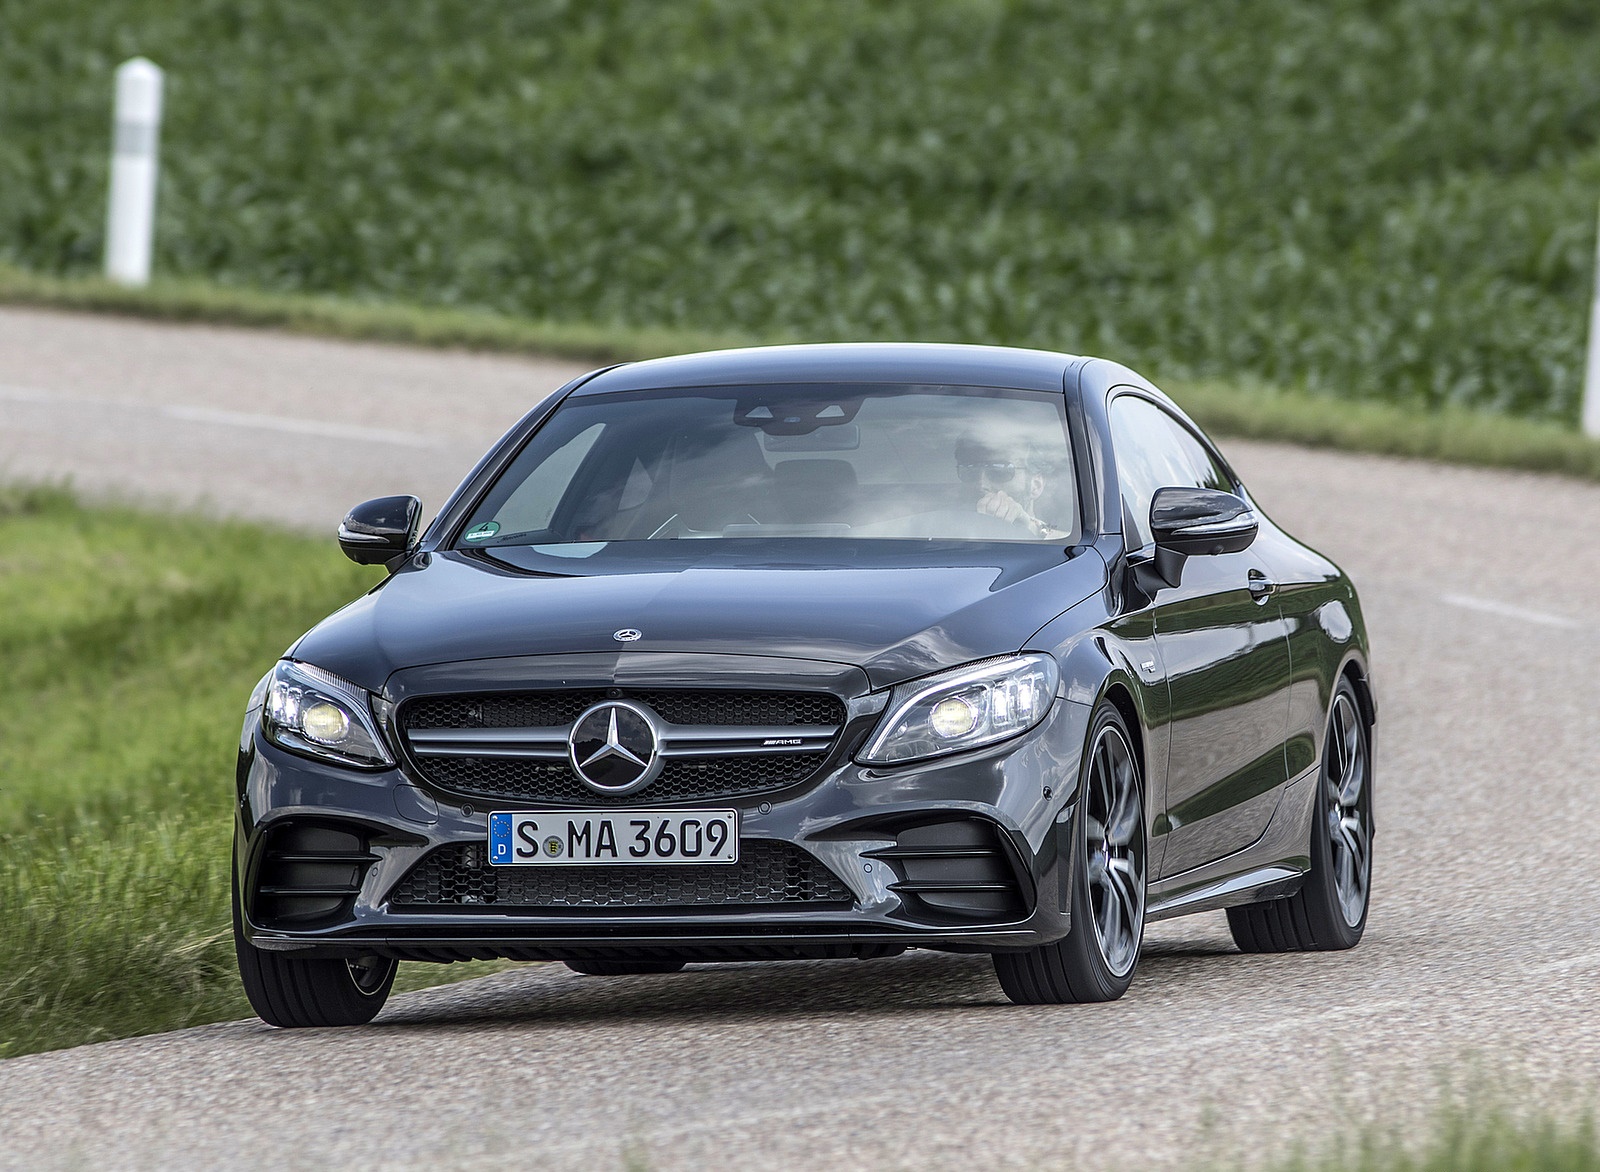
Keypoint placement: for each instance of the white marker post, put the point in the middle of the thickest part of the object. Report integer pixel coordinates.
(130, 219)
(1591, 373)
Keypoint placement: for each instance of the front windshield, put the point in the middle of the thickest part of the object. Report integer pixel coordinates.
(834, 460)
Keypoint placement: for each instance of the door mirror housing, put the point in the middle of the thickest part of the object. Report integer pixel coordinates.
(381, 531)
(1192, 522)
(1200, 522)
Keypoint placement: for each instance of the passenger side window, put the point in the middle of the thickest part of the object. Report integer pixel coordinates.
(1155, 451)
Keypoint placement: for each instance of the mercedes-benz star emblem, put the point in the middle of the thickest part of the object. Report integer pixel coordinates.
(627, 635)
(614, 747)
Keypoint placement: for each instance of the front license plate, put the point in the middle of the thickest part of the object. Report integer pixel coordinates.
(555, 838)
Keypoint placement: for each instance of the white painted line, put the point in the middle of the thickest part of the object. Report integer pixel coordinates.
(324, 428)
(1506, 611)
(350, 431)
(27, 395)
(1582, 961)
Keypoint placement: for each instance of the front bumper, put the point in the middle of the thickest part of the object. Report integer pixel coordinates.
(850, 818)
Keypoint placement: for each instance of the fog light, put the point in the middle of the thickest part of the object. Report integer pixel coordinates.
(954, 717)
(325, 722)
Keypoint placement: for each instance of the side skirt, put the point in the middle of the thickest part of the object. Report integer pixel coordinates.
(1272, 867)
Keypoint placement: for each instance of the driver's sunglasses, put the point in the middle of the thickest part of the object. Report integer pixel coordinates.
(999, 473)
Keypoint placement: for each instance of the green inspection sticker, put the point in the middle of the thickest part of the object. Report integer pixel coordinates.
(481, 532)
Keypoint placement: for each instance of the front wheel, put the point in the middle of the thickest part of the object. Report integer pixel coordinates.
(1329, 912)
(295, 994)
(1095, 961)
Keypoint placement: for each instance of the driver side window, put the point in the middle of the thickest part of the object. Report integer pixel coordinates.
(1155, 451)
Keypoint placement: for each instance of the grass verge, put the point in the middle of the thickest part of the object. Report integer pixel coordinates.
(1463, 1140)
(334, 317)
(128, 643)
(1449, 435)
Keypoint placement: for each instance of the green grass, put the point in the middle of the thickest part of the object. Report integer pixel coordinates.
(128, 644)
(1386, 201)
(1464, 1139)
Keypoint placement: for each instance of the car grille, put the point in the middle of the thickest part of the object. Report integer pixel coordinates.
(524, 754)
(457, 878)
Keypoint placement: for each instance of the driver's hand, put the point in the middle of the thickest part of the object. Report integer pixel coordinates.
(999, 504)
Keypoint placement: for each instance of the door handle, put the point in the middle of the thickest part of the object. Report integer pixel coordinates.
(1261, 587)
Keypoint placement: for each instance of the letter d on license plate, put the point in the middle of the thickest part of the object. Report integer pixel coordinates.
(556, 838)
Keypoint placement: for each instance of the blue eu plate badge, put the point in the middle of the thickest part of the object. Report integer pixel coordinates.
(499, 838)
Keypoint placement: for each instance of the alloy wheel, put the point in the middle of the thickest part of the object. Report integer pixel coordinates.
(1115, 846)
(370, 973)
(1345, 805)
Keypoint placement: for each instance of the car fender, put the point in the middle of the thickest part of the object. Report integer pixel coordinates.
(1103, 657)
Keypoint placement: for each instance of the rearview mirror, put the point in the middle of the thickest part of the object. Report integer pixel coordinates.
(379, 531)
(1199, 522)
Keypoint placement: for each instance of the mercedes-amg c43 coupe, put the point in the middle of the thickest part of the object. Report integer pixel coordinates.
(808, 652)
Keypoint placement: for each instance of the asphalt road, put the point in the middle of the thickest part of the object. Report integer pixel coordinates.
(1478, 968)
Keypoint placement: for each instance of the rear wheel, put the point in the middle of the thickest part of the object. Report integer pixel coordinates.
(623, 967)
(1095, 961)
(1329, 912)
(294, 993)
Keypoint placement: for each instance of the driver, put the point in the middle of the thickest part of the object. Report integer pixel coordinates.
(1010, 485)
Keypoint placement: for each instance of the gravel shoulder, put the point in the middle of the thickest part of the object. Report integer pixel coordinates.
(1478, 968)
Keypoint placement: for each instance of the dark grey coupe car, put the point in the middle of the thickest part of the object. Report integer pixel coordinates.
(813, 651)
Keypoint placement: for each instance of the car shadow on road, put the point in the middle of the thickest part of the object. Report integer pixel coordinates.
(551, 993)
(916, 983)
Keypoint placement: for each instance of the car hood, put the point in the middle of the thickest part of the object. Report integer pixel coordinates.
(897, 610)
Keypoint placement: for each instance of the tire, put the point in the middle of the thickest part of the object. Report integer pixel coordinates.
(1097, 958)
(623, 967)
(1329, 912)
(297, 994)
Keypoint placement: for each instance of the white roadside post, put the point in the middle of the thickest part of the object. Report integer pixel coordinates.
(130, 218)
(1591, 373)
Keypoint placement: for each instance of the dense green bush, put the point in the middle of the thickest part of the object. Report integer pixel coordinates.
(1390, 199)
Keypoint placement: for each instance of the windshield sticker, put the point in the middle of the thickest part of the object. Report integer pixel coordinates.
(481, 532)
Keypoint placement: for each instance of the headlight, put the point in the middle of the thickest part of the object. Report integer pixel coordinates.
(315, 712)
(963, 709)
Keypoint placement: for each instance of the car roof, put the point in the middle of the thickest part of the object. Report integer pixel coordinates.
(920, 363)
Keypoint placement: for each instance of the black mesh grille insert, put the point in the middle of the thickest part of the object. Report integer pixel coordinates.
(529, 709)
(682, 779)
(456, 878)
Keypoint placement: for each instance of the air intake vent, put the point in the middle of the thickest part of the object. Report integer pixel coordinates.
(957, 870)
(310, 875)
(457, 879)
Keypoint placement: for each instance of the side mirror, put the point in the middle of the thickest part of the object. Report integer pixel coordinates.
(1193, 522)
(1198, 522)
(379, 531)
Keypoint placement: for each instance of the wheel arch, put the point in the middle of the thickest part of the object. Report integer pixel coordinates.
(1116, 693)
(1096, 667)
(1355, 671)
